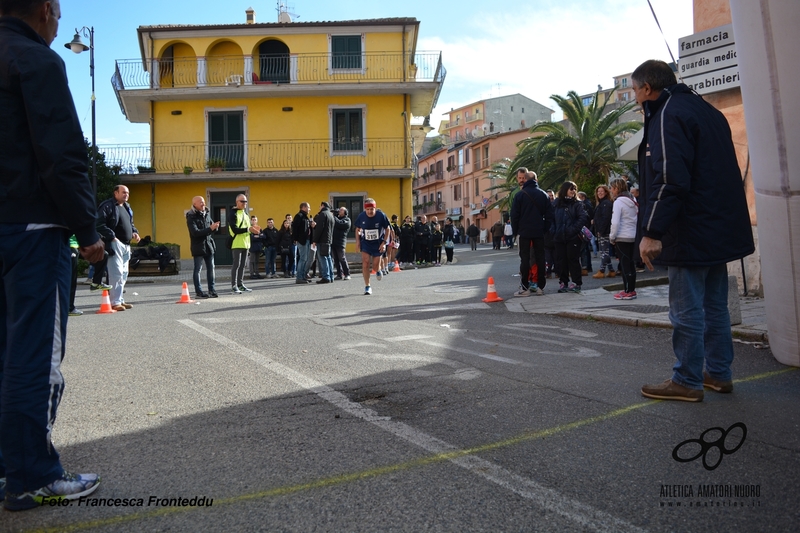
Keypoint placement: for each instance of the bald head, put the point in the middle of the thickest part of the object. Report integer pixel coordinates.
(199, 203)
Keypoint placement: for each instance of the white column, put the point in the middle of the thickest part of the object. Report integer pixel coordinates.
(248, 70)
(155, 74)
(201, 71)
(767, 41)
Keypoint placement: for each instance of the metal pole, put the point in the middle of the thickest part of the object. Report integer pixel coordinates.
(94, 127)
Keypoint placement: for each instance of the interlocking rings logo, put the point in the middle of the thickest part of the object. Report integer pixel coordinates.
(707, 446)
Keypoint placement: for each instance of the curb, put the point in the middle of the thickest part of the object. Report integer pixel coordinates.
(736, 331)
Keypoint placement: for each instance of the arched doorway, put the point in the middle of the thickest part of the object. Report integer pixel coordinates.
(273, 62)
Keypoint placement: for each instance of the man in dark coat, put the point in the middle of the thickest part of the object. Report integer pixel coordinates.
(201, 228)
(693, 217)
(323, 238)
(531, 218)
(340, 230)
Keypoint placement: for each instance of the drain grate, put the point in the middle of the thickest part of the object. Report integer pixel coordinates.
(644, 309)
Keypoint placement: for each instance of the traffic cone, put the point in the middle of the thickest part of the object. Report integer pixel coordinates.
(185, 299)
(396, 267)
(105, 304)
(491, 293)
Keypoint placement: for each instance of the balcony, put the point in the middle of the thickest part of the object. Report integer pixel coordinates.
(216, 77)
(476, 116)
(258, 156)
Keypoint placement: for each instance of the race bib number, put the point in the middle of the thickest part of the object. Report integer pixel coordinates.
(372, 234)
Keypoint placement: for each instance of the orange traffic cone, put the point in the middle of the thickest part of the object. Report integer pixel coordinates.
(491, 293)
(396, 267)
(185, 299)
(105, 304)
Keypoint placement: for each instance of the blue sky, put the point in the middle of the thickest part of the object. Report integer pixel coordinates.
(490, 48)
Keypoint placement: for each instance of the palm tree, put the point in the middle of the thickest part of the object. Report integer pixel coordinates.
(583, 151)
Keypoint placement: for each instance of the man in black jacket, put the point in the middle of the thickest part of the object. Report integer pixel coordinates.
(301, 233)
(201, 227)
(271, 244)
(115, 226)
(340, 230)
(323, 238)
(45, 195)
(693, 217)
(531, 218)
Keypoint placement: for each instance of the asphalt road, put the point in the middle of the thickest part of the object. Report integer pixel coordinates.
(419, 408)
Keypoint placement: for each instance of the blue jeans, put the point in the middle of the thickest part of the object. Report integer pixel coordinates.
(270, 254)
(210, 274)
(302, 260)
(698, 310)
(326, 267)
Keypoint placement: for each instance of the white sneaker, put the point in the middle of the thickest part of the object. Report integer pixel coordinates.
(522, 292)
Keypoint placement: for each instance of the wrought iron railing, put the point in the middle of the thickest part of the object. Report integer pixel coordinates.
(277, 69)
(256, 156)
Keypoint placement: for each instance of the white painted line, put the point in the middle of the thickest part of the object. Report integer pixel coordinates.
(407, 338)
(580, 351)
(583, 337)
(547, 498)
(470, 352)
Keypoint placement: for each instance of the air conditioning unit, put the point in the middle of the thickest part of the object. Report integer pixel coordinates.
(472, 206)
(448, 211)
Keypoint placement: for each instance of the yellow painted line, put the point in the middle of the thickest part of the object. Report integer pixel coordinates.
(379, 471)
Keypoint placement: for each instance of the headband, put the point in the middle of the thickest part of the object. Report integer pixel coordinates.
(369, 204)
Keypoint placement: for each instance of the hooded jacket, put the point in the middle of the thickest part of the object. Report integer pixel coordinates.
(691, 197)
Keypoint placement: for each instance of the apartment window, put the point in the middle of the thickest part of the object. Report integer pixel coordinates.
(485, 156)
(439, 170)
(624, 82)
(466, 189)
(466, 156)
(348, 130)
(587, 100)
(456, 192)
(523, 110)
(477, 157)
(226, 138)
(346, 52)
(478, 187)
(512, 108)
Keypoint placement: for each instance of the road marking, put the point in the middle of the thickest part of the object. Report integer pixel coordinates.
(470, 352)
(407, 338)
(582, 351)
(583, 336)
(583, 514)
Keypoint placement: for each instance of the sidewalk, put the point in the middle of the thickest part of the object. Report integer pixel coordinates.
(650, 309)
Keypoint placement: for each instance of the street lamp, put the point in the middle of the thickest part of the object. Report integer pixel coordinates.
(77, 46)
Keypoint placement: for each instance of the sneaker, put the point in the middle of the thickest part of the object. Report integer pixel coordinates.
(629, 295)
(75, 312)
(562, 288)
(68, 487)
(346, 278)
(200, 295)
(100, 287)
(244, 289)
(367, 290)
(574, 288)
(600, 275)
(717, 384)
(235, 290)
(522, 292)
(300, 282)
(669, 390)
(338, 278)
(213, 294)
(118, 307)
(323, 281)
(619, 295)
(536, 290)
(126, 305)
(379, 275)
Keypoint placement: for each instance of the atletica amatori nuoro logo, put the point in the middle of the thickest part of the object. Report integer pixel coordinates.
(728, 442)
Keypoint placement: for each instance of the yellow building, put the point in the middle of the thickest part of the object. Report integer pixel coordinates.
(284, 112)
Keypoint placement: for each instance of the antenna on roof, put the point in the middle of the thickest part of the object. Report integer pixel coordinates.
(284, 13)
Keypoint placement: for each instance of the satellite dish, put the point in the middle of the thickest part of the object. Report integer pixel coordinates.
(284, 17)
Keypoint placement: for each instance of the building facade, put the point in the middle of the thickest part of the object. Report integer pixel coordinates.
(284, 112)
(503, 113)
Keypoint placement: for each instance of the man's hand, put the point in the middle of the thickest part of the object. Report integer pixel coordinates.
(93, 253)
(649, 249)
(135, 237)
(214, 226)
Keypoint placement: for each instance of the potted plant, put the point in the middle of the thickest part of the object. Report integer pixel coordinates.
(450, 168)
(145, 170)
(215, 164)
(187, 170)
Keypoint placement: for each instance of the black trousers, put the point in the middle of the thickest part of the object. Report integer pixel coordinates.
(568, 261)
(627, 255)
(340, 261)
(531, 251)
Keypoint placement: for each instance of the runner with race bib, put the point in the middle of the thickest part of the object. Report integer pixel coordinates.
(372, 238)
